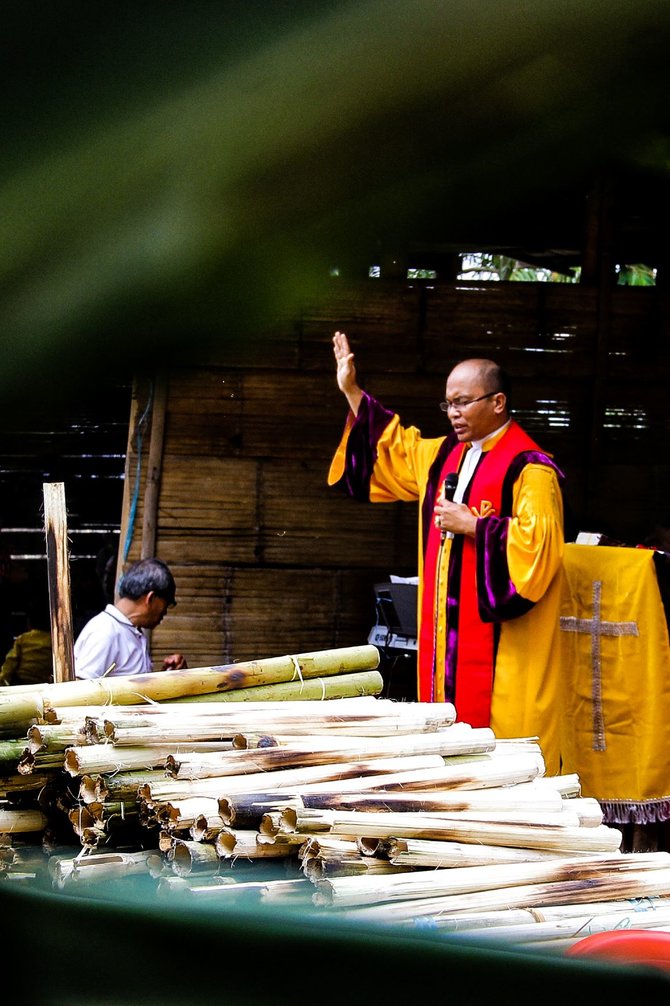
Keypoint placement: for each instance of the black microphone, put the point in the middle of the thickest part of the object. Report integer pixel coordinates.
(449, 488)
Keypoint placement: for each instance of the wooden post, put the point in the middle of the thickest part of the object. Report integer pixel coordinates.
(154, 468)
(129, 474)
(58, 567)
(153, 477)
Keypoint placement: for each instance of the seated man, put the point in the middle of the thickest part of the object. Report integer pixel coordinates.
(112, 642)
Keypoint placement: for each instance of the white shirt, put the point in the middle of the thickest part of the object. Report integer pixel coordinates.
(109, 644)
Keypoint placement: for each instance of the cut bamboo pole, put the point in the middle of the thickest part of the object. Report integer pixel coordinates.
(119, 785)
(306, 724)
(567, 785)
(458, 773)
(608, 886)
(50, 737)
(233, 843)
(604, 872)
(327, 847)
(292, 778)
(107, 758)
(246, 810)
(50, 762)
(422, 778)
(317, 869)
(431, 854)
(444, 743)
(12, 785)
(624, 912)
(390, 825)
(206, 827)
(15, 822)
(188, 857)
(146, 714)
(323, 820)
(103, 811)
(521, 797)
(19, 711)
(588, 810)
(181, 815)
(100, 866)
(568, 930)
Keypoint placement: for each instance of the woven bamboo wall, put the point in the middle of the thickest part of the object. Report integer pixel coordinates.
(269, 561)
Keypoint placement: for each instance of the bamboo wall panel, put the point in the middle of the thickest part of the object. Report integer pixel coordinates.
(518, 324)
(272, 613)
(385, 316)
(226, 614)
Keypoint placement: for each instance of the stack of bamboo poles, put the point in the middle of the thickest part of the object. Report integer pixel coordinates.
(378, 811)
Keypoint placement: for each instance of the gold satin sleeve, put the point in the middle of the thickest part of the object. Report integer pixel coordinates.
(535, 540)
(401, 467)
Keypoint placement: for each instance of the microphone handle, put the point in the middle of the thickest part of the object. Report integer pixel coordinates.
(448, 491)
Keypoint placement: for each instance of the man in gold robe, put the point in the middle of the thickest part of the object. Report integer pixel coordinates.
(489, 559)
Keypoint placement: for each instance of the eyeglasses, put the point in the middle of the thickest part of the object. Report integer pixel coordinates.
(461, 404)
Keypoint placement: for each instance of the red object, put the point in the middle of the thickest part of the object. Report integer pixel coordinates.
(625, 946)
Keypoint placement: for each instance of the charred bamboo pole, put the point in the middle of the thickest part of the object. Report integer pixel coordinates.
(317, 869)
(310, 820)
(603, 873)
(387, 730)
(390, 825)
(12, 785)
(422, 778)
(459, 773)
(181, 815)
(523, 796)
(233, 843)
(442, 743)
(433, 853)
(246, 810)
(327, 847)
(623, 913)
(116, 786)
(569, 930)
(291, 778)
(607, 886)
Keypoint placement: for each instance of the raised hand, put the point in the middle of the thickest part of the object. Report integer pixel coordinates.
(346, 371)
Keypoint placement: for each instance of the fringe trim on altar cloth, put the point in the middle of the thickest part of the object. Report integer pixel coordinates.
(642, 812)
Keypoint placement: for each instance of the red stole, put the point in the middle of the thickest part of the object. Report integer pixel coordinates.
(466, 653)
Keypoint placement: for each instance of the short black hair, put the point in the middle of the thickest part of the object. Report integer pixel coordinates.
(146, 575)
(497, 378)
